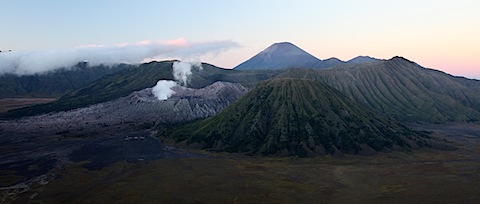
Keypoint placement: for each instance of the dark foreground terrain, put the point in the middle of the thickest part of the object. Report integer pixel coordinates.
(137, 168)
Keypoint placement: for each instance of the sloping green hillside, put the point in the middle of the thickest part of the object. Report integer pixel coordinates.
(296, 117)
(403, 90)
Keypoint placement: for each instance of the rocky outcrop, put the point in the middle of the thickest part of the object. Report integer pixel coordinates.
(185, 105)
(140, 109)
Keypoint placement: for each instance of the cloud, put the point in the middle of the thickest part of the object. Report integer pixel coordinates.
(33, 62)
(163, 89)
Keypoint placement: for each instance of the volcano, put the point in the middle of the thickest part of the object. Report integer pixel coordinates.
(297, 117)
(284, 55)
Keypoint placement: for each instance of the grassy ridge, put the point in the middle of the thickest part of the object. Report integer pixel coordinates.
(403, 90)
(296, 117)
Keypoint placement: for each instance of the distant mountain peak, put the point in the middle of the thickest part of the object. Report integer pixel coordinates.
(282, 55)
(362, 59)
(333, 58)
(281, 44)
(401, 58)
(286, 49)
(283, 50)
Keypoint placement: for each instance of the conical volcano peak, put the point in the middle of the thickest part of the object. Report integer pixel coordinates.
(284, 55)
(286, 49)
(282, 46)
(280, 56)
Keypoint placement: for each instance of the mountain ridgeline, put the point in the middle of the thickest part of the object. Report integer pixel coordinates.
(396, 88)
(297, 117)
(287, 55)
(403, 90)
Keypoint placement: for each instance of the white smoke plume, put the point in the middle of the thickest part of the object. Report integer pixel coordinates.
(181, 73)
(183, 70)
(35, 62)
(163, 89)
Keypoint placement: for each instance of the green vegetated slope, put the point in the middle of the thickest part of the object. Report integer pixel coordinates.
(55, 83)
(403, 90)
(296, 117)
(137, 78)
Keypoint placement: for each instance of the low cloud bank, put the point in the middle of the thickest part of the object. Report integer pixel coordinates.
(37, 62)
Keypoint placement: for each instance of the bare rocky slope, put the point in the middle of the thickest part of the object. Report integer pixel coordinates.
(139, 110)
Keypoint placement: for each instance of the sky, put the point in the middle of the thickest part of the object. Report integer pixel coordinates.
(439, 34)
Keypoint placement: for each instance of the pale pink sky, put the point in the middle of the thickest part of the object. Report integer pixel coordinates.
(458, 60)
(440, 34)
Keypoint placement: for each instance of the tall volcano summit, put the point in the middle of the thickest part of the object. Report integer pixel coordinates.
(279, 56)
